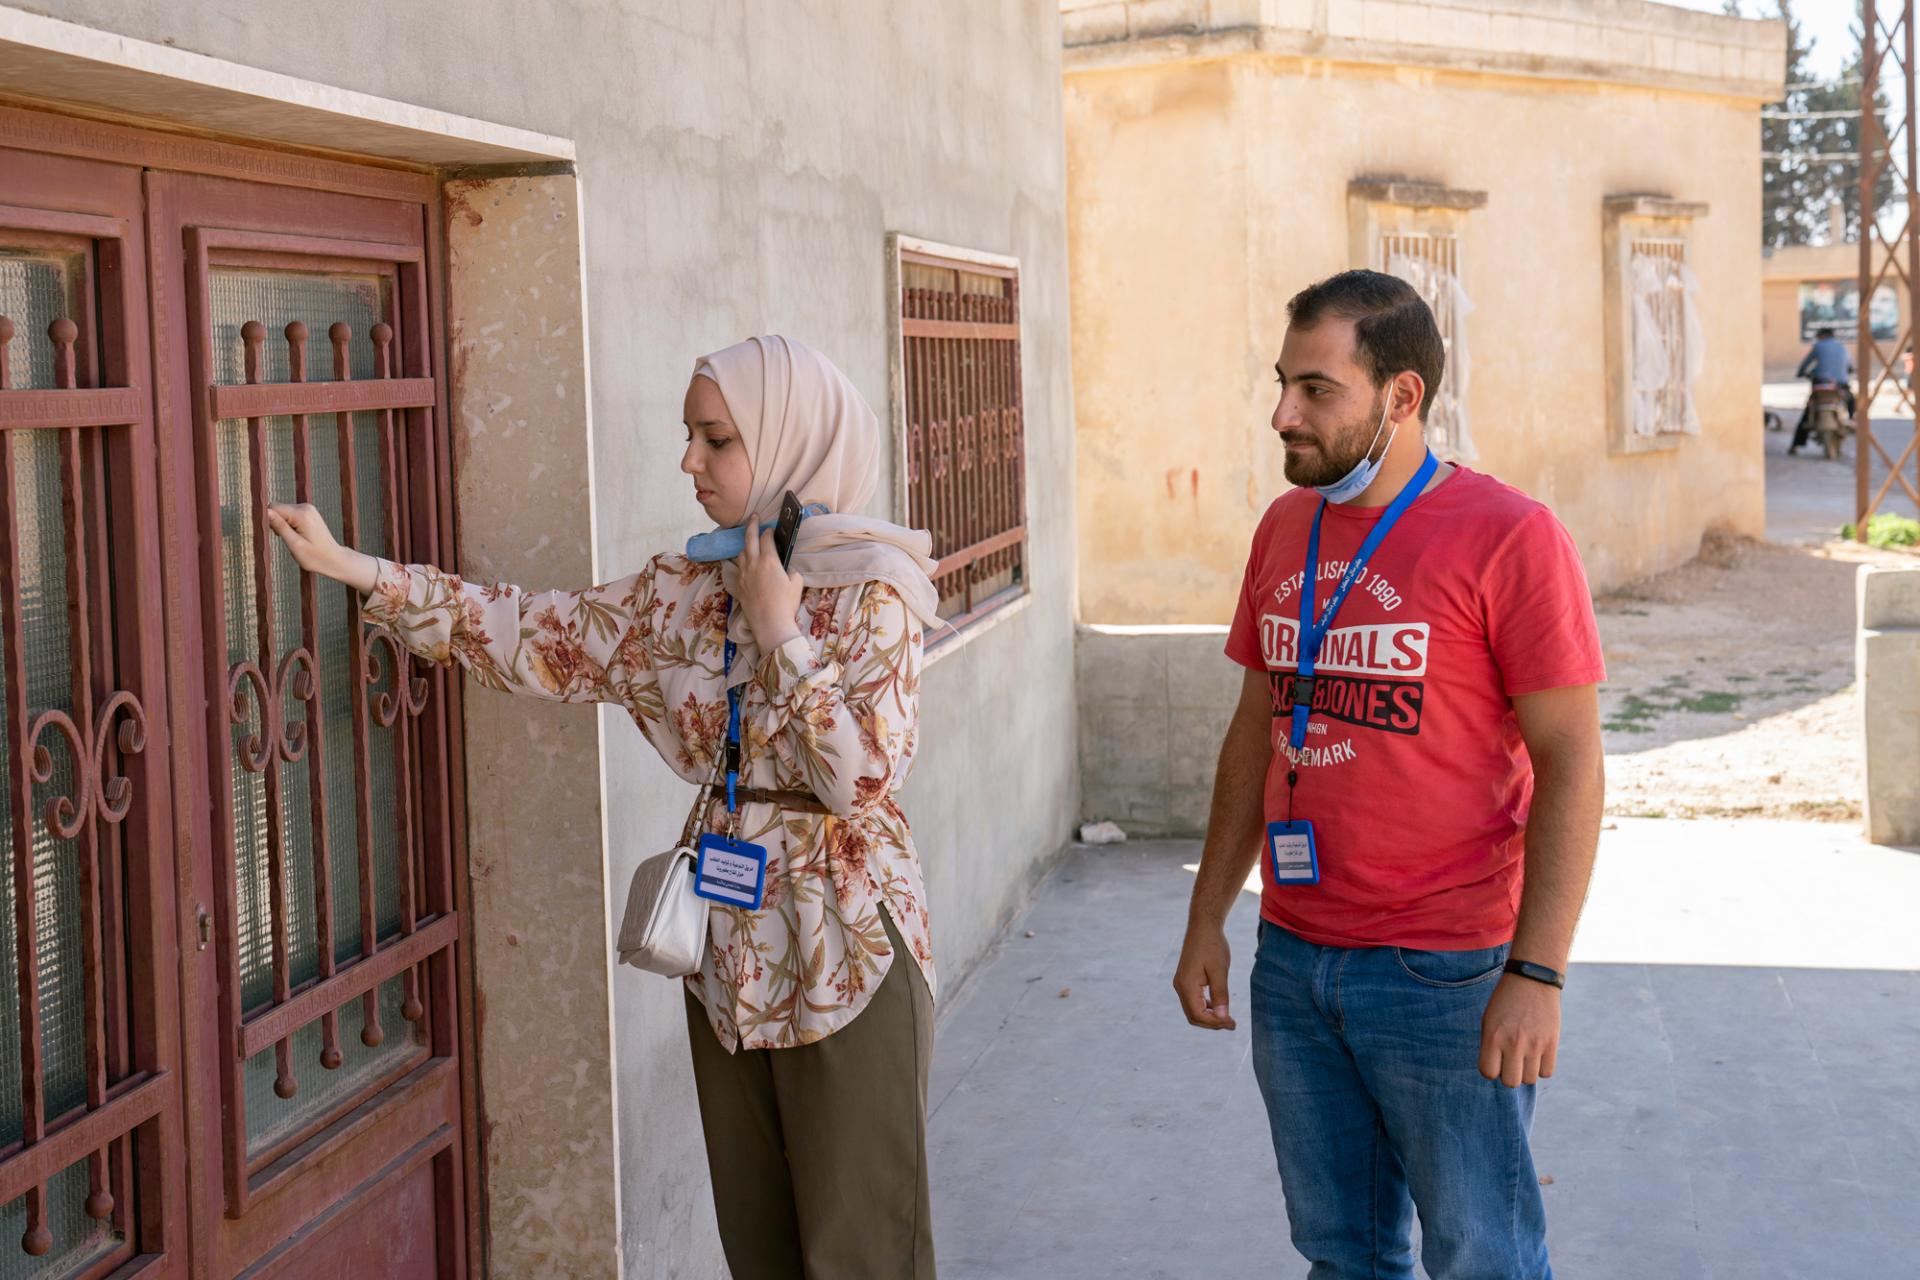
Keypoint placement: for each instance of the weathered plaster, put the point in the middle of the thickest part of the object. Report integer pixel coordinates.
(1204, 193)
(1616, 42)
(524, 500)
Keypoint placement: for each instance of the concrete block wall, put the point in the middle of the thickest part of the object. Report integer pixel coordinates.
(1154, 702)
(1889, 670)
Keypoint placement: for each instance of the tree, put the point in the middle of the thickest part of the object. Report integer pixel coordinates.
(1810, 143)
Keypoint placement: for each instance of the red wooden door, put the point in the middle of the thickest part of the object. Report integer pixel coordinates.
(230, 1018)
(294, 327)
(92, 1157)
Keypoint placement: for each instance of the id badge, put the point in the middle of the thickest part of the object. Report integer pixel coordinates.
(731, 872)
(1294, 858)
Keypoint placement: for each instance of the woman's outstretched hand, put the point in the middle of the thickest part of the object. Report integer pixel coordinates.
(314, 548)
(769, 594)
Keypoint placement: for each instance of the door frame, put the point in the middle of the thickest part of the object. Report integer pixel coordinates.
(431, 525)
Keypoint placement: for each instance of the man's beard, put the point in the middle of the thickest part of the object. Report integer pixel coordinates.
(1336, 452)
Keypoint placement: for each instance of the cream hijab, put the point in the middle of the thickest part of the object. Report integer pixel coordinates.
(807, 428)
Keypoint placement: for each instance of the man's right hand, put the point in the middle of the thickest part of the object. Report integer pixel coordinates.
(1200, 979)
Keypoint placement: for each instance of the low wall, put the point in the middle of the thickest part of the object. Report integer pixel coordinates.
(1154, 702)
(1889, 669)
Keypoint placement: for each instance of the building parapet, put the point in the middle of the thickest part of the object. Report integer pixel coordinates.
(1622, 42)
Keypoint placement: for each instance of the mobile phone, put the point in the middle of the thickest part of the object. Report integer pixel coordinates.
(788, 526)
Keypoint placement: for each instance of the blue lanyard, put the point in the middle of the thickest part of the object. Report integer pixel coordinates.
(732, 756)
(1313, 633)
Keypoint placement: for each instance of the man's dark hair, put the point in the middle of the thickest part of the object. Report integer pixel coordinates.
(1824, 331)
(1393, 328)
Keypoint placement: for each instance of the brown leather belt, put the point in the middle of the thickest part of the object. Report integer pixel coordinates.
(791, 801)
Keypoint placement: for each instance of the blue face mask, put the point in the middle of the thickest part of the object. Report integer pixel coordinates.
(728, 544)
(1356, 481)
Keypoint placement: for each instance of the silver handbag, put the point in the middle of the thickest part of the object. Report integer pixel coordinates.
(664, 929)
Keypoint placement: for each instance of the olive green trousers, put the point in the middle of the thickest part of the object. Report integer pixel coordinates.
(819, 1153)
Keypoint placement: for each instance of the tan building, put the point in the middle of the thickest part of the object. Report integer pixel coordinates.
(1806, 287)
(1574, 186)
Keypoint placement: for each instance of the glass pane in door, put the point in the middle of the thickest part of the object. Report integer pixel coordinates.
(38, 287)
(275, 298)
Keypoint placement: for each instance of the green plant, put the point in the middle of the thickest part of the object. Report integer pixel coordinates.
(1887, 530)
(1713, 702)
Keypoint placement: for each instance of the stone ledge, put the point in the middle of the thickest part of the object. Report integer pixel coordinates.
(1415, 194)
(1638, 205)
(62, 63)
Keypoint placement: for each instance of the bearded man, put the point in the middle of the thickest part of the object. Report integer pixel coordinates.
(1416, 766)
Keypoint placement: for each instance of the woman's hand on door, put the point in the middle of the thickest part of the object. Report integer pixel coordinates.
(315, 549)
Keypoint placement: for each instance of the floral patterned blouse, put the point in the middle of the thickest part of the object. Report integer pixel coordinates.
(833, 711)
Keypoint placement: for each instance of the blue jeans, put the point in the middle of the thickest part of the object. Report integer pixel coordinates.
(1368, 1059)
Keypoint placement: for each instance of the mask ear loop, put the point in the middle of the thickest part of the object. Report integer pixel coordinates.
(1386, 412)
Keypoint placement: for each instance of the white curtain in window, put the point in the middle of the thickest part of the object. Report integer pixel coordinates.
(1696, 348)
(1447, 424)
(1669, 345)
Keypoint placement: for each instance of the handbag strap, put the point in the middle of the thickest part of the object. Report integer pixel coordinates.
(727, 761)
(696, 817)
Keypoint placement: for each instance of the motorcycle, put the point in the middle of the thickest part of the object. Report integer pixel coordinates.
(1827, 415)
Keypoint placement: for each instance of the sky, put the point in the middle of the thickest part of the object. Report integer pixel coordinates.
(1830, 26)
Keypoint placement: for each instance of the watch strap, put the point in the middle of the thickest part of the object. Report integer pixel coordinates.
(1537, 972)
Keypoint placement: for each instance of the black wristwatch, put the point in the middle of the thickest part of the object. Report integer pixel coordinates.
(1538, 972)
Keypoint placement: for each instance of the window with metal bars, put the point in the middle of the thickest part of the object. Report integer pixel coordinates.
(1430, 262)
(962, 445)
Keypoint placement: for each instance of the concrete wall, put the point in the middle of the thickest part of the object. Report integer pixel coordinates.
(1154, 703)
(1208, 180)
(1889, 672)
(736, 176)
(536, 852)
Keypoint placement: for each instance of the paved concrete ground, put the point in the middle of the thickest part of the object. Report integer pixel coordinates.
(1809, 498)
(1738, 1095)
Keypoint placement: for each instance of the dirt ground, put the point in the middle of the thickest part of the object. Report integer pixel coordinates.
(1730, 687)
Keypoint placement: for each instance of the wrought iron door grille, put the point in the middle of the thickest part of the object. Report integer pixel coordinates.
(71, 1093)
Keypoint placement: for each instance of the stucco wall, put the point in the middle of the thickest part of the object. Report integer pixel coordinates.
(1780, 328)
(1203, 193)
(740, 165)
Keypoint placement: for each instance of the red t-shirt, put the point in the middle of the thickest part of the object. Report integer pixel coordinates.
(1414, 774)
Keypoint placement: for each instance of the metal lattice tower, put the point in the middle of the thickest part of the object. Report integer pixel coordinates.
(1887, 52)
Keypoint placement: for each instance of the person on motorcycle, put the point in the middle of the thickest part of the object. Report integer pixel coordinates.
(1827, 361)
